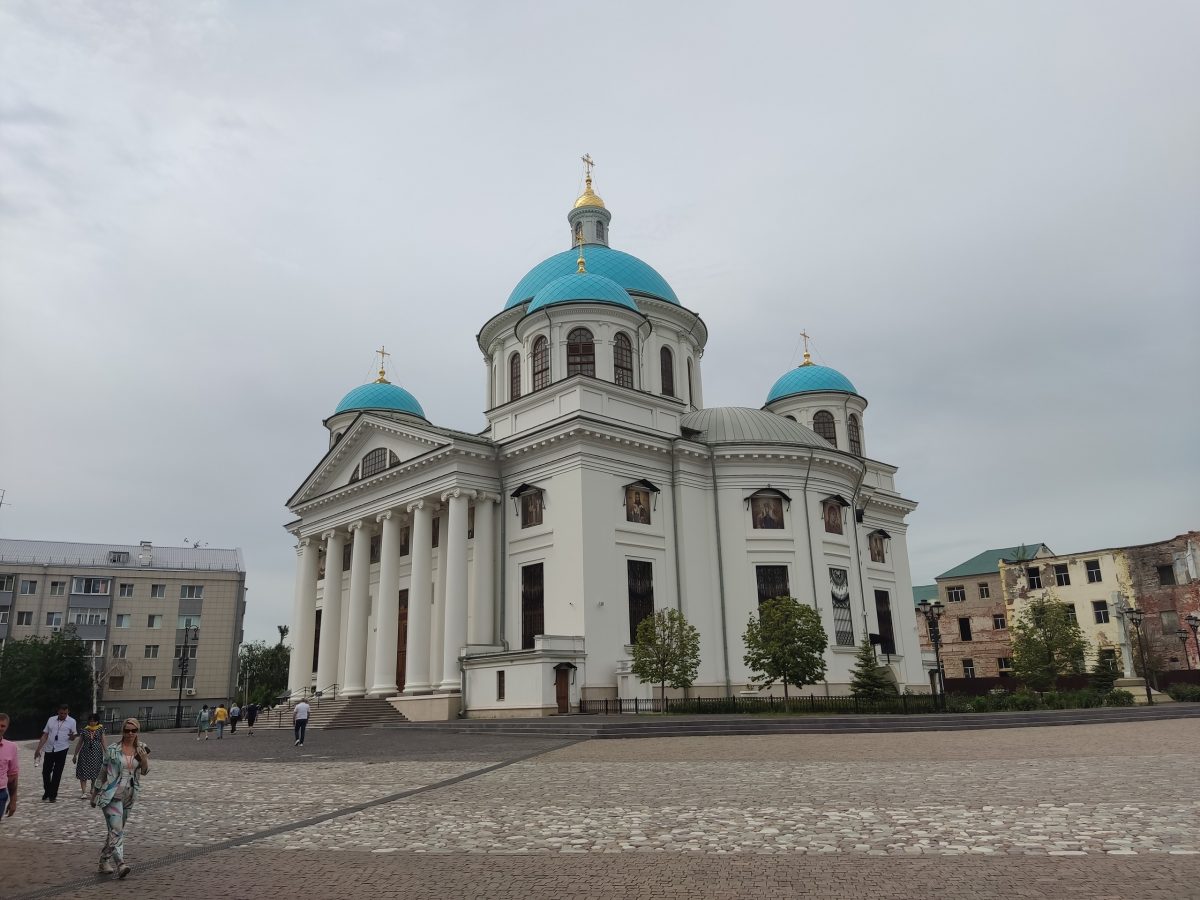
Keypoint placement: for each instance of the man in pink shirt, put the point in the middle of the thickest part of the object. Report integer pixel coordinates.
(9, 767)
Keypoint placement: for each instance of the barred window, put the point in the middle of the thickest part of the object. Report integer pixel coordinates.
(641, 594)
(823, 425)
(623, 361)
(667, 370)
(772, 582)
(514, 376)
(581, 353)
(541, 363)
(843, 623)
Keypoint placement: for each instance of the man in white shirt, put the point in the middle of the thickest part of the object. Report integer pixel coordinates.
(60, 730)
(300, 721)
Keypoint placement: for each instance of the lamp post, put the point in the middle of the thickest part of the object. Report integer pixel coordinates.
(1135, 617)
(188, 632)
(932, 613)
(1193, 622)
(1181, 633)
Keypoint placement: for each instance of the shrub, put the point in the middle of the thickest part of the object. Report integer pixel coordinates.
(1185, 693)
(1118, 698)
(1024, 701)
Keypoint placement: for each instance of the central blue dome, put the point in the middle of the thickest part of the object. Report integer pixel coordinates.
(380, 395)
(582, 287)
(627, 271)
(808, 379)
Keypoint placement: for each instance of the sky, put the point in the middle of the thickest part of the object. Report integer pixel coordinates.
(986, 215)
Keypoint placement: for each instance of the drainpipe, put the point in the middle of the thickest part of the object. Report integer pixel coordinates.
(858, 549)
(502, 549)
(712, 465)
(812, 563)
(675, 529)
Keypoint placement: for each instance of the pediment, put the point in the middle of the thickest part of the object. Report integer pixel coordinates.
(384, 441)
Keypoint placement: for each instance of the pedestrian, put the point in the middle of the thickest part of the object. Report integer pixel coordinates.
(202, 720)
(251, 713)
(235, 713)
(89, 755)
(58, 734)
(117, 790)
(220, 719)
(10, 767)
(300, 721)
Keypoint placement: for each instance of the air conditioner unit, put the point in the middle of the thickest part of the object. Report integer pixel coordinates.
(191, 692)
(55, 629)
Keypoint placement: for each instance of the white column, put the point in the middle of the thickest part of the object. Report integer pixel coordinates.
(355, 682)
(304, 613)
(387, 607)
(420, 599)
(437, 628)
(454, 551)
(331, 611)
(481, 605)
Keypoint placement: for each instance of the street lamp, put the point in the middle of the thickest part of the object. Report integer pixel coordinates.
(1135, 617)
(1193, 622)
(189, 631)
(932, 613)
(1181, 633)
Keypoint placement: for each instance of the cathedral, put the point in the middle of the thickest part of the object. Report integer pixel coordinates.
(505, 573)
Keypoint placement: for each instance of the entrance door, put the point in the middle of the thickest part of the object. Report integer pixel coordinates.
(562, 689)
(402, 639)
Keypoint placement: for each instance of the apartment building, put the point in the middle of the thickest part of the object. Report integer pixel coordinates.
(140, 609)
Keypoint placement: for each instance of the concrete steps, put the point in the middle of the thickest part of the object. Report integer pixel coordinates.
(365, 712)
(613, 727)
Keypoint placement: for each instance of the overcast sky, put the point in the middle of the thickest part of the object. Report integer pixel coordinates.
(987, 215)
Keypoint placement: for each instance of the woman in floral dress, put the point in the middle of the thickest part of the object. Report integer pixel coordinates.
(117, 790)
(89, 755)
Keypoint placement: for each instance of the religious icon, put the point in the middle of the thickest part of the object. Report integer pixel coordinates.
(766, 512)
(875, 541)
(531, 509)
(637, 505)
(833, 517)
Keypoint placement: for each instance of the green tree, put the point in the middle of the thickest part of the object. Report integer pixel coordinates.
(785, 642)
(1046, 642)
(264, 669)
(869, 680)
(667, 651)
(1104, 673)
(39, 673)
(283, 632)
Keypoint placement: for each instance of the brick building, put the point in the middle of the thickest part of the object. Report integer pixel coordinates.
(1165, 583)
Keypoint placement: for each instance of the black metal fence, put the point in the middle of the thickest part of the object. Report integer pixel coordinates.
(902, 704)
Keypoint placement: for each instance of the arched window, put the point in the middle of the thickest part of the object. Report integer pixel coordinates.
(691, 398)
(578, 231)
(622, 361)
(599, 230)
(581, 353)
(514, 376)
(823, 425)
(374, 462)
(667, 365)
(541, 363)
(855, 435)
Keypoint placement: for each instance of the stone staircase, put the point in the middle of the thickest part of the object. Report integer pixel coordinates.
(364, 712)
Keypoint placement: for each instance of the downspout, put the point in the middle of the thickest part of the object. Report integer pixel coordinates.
(502, 550)
(812, 563)
(712, 465)
(675, 529)
(862, 590)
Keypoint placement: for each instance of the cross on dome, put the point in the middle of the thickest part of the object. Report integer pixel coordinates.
(383, 355)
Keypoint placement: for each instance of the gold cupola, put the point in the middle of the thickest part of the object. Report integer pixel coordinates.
(589, 217)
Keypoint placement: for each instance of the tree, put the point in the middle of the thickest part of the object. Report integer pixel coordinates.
(785, 642)
(283, 632)
(869, 680)
(37, 674)
(265, 671)
(667, 651)
(1104, 673)
(1047, 642)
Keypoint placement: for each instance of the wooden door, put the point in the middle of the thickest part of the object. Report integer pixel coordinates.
(402, 639)
(562, 690)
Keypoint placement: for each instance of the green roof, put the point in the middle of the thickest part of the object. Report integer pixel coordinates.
(924, 592)
(988, 562)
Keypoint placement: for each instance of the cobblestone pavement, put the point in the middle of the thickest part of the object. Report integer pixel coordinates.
(1084, 811)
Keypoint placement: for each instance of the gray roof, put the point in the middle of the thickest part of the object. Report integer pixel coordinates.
(63, 553)
(736, 424)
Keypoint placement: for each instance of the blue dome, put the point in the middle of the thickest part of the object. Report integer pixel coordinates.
(808, 379)
(585, 287)
(628, 271)
(380, 395)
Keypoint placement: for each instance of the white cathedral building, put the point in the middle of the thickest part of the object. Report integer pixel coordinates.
(504, 573)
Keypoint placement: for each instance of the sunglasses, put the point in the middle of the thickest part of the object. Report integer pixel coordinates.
(130, 731)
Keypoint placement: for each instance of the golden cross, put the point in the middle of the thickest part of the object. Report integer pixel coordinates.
(804, 335)
(383, 355)
(587, 165)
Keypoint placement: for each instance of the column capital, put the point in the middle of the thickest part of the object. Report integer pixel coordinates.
(385, 515)
(455, 493)
(420, 504)
(355, 526)
(331, 533)
(486, 497)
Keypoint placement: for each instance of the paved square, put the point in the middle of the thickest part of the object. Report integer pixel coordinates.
(1080, 811)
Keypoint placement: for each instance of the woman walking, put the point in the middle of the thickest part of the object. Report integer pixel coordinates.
(89, 755)
(117, 789)
(202, 723)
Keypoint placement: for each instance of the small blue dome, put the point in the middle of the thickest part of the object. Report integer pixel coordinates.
(628, 271)
(380, 395)
(809, 379)
(582, 287)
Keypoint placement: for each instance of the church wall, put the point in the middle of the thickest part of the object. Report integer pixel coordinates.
(700, 572)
